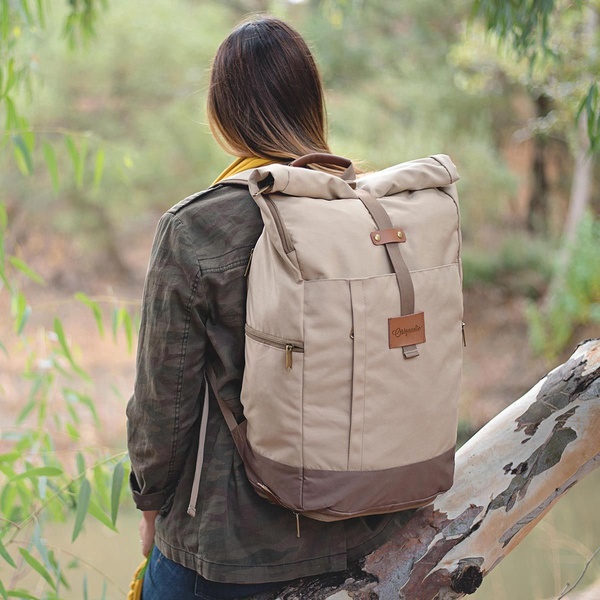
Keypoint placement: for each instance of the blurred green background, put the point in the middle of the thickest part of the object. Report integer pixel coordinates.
(104, 132)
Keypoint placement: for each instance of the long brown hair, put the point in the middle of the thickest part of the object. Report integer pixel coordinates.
(266, 97)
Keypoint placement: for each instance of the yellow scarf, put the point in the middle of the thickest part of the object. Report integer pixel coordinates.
(242, 164)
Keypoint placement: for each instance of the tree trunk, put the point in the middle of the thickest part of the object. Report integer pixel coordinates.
(508, 476)
(537, 212)
(581, 184)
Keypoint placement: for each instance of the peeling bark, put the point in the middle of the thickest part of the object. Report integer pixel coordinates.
(508, 476)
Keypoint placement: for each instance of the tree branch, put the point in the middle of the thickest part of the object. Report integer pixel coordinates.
(508, 476)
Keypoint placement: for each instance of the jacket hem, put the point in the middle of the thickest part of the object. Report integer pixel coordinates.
(229, 573)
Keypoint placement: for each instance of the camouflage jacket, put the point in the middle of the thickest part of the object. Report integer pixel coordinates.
(193, 312)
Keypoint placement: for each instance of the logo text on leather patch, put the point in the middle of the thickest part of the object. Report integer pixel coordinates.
(407, 330)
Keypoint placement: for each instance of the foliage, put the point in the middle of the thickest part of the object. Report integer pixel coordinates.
(576, 302)
(522, 266)
(41, 483)
(523, 25)
(398, 100)
(566, 73)
(135, 108)
(529, 28)
(17, 21)
(116, 129)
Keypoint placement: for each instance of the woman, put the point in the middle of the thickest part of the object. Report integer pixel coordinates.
(265, 105)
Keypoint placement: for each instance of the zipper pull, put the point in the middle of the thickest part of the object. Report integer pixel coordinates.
(464, 336)
(289, 349)
(297, 524)
(248, 265)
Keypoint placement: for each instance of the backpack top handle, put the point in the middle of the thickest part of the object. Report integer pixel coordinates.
(322, 158)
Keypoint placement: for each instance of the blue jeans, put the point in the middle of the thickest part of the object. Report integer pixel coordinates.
(168, 580)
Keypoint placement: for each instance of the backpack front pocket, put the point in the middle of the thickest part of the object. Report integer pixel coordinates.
(272, 396)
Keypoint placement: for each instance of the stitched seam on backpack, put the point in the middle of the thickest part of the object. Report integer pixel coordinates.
(445, 167)
(457, 224)
(435, 268)
(286, 183)
(362, 433)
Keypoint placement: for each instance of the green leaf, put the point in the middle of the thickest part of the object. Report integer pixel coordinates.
(72, 148)
(6, 556)
(9, 457)
(101, 486)
(21, 594)
(77, 158)
(80, 463)
(128, 328)
(7, 500)
(36, 565)
(74, 396)
(21, 311)
(57, 568)
(73, 432)
(98, 514)
(115, 495)
(10, 81)
(117, 319)
(3, 217)
(22, 266)
(96, 310)
(51, 163)
(80, 170)
(41, 15)
(85, 589)
(60, 332)
(25, 10)
(37, 472)
(25, 412)
(3, 589)
(40, 546)
(99, 167)
(83, 501)
(22, 152)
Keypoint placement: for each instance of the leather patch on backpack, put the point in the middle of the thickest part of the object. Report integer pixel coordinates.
(407, 330)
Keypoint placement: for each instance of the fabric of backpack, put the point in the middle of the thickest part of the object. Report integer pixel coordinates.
(354, 337)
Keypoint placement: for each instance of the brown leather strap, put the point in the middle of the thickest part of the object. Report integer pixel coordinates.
(322, 158)
(405, 284)
(388, 236)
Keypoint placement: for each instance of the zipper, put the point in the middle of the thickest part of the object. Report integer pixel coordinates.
(464, 335)
(290, 346)
(272, 497)
(286, 241)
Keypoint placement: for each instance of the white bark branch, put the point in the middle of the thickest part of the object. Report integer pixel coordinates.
(508, 476)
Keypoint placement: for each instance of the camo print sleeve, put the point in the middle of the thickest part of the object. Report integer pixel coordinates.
(170, 365)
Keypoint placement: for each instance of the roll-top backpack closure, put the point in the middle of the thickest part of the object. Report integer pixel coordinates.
(435, 171)
(294, 181)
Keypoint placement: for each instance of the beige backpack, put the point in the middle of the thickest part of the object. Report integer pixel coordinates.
(353, 337)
